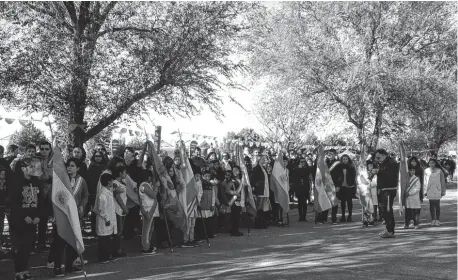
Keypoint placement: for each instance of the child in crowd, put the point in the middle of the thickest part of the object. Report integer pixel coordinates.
(207, 205)
(26, 209)
(106, 219)
(189, 240)
(149, 209)
(372, 189)
(120, 196)
(412, 200)
(435, 188)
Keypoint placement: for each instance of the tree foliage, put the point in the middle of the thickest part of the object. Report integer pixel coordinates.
(28, 134)
(361, 59)
(95, 62)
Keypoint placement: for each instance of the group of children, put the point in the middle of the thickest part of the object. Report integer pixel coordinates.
(429, 182)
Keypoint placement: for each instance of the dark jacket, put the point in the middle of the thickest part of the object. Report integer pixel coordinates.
(335, 172)
(257, 180)
(93, 174)
(23, 201)
(8, 184)
(83, 170)
(350, 176)
(388, 173)
(300, 180)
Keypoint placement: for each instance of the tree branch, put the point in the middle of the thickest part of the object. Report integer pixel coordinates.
(71, 11)
(127, 28)
(122, 109)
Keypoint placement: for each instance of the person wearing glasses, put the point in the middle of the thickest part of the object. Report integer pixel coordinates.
(387, 181)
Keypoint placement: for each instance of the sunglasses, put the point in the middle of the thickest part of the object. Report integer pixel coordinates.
(97, 156)
(45, 149)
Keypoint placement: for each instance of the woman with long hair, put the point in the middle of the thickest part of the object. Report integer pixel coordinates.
(95, 169)
(347, 184)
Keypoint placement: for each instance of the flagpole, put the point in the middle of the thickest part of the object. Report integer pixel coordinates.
(205, 227)
(84, 267)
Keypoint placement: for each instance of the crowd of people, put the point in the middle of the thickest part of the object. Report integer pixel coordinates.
(100, 186)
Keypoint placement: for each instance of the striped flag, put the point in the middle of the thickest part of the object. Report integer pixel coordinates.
(403, 175)
(189, 181)
(279, 183)
(64, 205)
(131, 192)
(324, 192)
(250, 206)
(174, 208)
(363, 185)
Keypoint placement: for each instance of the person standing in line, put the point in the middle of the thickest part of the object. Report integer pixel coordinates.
(387, 181)
(25, 210)
(106, 219)
(413, 202)
(347, 184)
(301, 181)
(435, 189)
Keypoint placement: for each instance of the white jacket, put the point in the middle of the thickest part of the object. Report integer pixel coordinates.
(107, 213)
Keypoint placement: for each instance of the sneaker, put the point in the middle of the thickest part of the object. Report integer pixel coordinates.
(73, 269)
(438, 223)
(149, 252)
(386, 234)
(334, 223)
(406, 226)
(58, 272)
(237, 233)
(105, 261)
(78, 262)
(50, 265)
(187, 244)
(114, 258)
(349, 219)
(195, 243)
(19, 276)
(342, 220)
(433, 223)
(417, 227)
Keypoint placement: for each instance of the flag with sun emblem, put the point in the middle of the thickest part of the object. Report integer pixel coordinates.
(64, 205)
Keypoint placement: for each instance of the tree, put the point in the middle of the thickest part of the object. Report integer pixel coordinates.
(284, 117)
(362, 57)
(91, 63)
(29, 134)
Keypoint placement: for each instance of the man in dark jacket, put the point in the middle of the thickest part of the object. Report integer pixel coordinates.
(300, 180)
(387, 183)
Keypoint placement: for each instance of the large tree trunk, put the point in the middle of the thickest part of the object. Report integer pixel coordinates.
(377, 128)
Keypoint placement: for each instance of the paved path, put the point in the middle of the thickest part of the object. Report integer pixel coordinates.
(302, 251)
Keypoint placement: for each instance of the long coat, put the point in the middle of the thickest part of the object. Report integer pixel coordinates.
(106, 213)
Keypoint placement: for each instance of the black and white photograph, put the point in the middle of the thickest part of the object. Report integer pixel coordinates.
(228, 140)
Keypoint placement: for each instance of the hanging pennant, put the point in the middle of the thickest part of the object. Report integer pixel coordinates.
(9, 121)
(24, 123)
(138, 133)
(123, 130)
(131, 133)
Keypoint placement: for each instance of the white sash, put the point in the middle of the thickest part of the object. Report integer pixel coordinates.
(77, 186)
